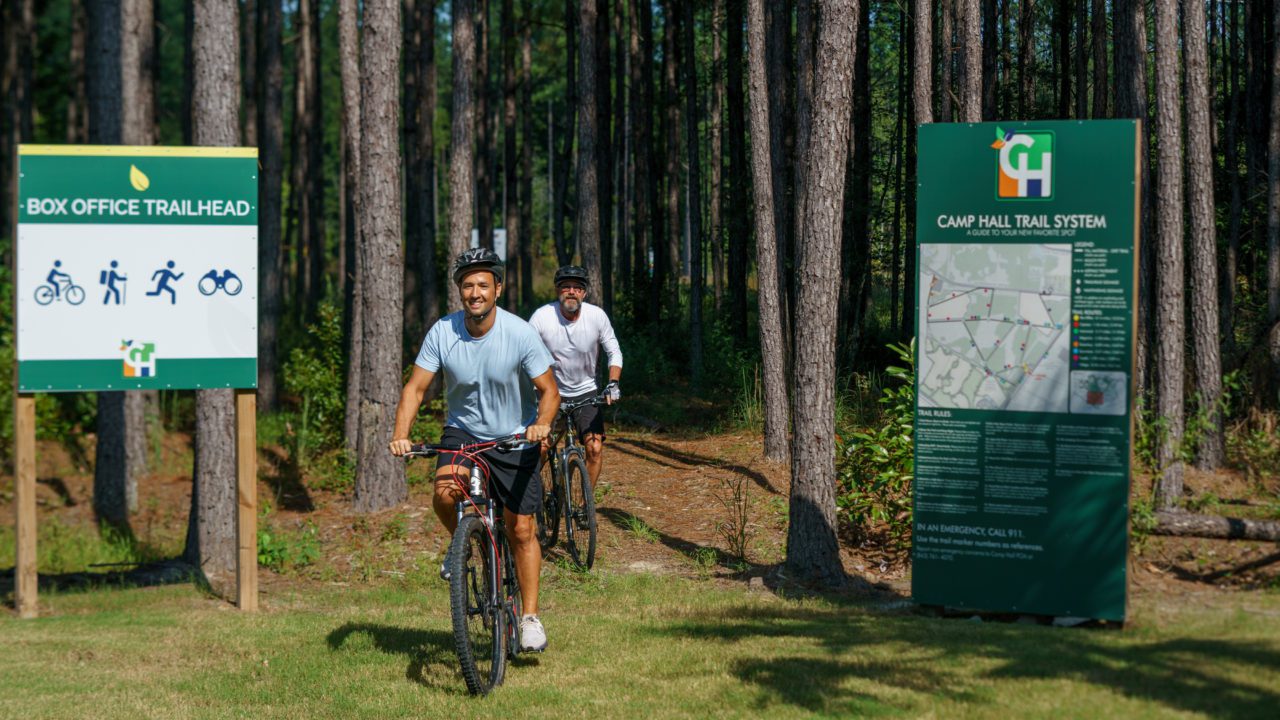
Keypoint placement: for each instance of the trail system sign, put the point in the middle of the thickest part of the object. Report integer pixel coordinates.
(1026, 262)
(137, 268)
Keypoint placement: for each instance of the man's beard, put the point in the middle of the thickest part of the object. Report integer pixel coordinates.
(571, 306)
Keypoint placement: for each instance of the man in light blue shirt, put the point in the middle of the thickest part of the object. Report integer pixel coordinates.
(492, 362)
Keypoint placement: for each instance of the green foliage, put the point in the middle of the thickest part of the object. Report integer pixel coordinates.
(736, 530)
(314, 375)
(333, 470)
(1142, 520)
(875, 465)
(287, 550)
(1253, 445)
(747, 412)
(639, 528)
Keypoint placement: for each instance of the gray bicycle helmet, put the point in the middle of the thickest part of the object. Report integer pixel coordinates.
(477, 259)
(572, 272)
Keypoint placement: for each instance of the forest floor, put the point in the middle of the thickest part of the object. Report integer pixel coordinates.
(664, 626)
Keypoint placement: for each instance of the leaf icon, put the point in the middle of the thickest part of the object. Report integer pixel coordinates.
(138, 179)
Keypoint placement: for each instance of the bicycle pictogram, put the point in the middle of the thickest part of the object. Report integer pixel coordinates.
(59, 287)
(228, 282)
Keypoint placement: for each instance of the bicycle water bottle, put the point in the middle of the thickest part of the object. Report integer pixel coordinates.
(475, 481)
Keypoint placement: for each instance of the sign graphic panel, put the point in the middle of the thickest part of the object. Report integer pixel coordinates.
(1026, 281)
(137, 268)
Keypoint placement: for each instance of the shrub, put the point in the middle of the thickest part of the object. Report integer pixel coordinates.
(285, 550)
(314, 374)
(875, 465)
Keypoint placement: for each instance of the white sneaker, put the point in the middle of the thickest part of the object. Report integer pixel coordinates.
(532, 637)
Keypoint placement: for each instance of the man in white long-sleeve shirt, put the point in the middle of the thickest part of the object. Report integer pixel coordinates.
(574, 330)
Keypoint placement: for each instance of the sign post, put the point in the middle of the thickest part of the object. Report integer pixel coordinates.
(1026, 244)
(136, 269)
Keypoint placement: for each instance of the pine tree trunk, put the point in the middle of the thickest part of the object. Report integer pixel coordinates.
(777, 41)
(349, 56)
(462, 158)
(1082, 59)
(270, 191)
(772, 345)
(813, 553)
(1062, 51)
(971, 62)
(922, 105)
(1203, 232)
(315, 238)
(380, 479)
(739, 177)
(215, 105)
(1100, 89)
(989, 51)
(1170, 269)
(249, 65)
(568, 131)
(1273, 218)
(77, 99)
(669, 270)
(946, 42)
(1231, 160)
(526, 156)
(623, 166)
(696, 276)
(605, 159)
(511, 84)
(588, 219)
(484, 137)
(1130, 30)
(714, 231)
(428, 284)
(642, 126)
(412, 126)
(1026, 58)
(855, 256)
(805, 49)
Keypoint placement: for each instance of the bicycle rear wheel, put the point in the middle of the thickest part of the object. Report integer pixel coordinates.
(479, 623)
(580, 514)
(548, 516)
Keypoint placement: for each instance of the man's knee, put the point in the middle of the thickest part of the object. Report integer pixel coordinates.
(594, 444)
(521, 528)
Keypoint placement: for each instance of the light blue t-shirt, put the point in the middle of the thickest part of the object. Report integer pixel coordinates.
(487, 380)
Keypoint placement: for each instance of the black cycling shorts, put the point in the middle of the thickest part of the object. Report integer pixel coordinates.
(513, 475)
(589, 419)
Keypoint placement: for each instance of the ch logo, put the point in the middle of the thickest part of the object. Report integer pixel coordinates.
(139, 358)
(1025, 167)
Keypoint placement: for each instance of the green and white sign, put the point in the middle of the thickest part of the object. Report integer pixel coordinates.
(137, 268)
(1026, 247)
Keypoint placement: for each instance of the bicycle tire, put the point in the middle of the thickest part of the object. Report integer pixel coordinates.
(44, 295)
(75, 295)
(513, 602)
(548, 515)
(478, 617)
(580, 514)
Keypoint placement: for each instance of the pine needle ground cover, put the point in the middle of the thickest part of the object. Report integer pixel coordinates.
(630, 645)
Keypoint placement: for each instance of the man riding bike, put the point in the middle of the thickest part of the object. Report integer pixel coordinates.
(492, 362)
(573, 330)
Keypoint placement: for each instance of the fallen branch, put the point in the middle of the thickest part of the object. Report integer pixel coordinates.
(1181, 524)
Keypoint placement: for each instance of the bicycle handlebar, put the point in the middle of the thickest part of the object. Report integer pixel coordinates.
(502, 444)
(600, 399)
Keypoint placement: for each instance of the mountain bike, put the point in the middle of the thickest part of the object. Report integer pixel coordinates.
(566, 489)
(484, 591)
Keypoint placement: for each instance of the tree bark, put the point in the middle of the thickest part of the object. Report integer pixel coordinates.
(922, 105)
(215, 104)
(715, 232)
(484, 135)
(568, 131)
(646, 206)
(1273, 218)
(526, 156)
(588, 219)
(1203, 230)
(249, 50)
(1082, 59)
(971, 62)
(1183, 524)
(1170, 280)
(1130, 30)
(855, 256)
(349, 54)
(428, 99)
(739, 210)
(1062, 51)
(946, 43)
(411, 89)
(77, 99)
(605, 158)
(669, 269)
(696, 277)
(1099, 30)
(1231, 161)
(777, 21)
(990, 49)
(380, 479)
(511, 85)
(315, 238)
(772, 346)
(270, 195)
(462, 152)
(1026, 58)
(813, 553)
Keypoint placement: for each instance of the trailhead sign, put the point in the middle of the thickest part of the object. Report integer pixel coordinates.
(137, 268)
(1026, 278)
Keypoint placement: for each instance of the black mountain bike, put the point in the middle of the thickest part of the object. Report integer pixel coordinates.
(484, 592)
(566, 489)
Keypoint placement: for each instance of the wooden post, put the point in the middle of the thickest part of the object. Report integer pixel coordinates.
(247, 494)
(24, 481)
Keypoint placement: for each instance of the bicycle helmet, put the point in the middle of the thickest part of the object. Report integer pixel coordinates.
(572, 272)
(477, 259)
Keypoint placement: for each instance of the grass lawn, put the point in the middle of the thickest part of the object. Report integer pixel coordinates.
(625, 645)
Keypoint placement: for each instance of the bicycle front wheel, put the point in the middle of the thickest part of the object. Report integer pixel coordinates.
(548, 516)
(476, 607)
(75, 295)
(580, 514)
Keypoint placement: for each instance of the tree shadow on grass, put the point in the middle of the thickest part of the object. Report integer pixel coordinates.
(153, 574)
(59, 488)
(957, 661)
(432, 659)
(687, 458)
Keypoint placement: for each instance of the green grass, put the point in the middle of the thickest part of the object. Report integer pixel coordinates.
(627, 646)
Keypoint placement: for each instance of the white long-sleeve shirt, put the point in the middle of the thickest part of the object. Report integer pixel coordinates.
(575, 346)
